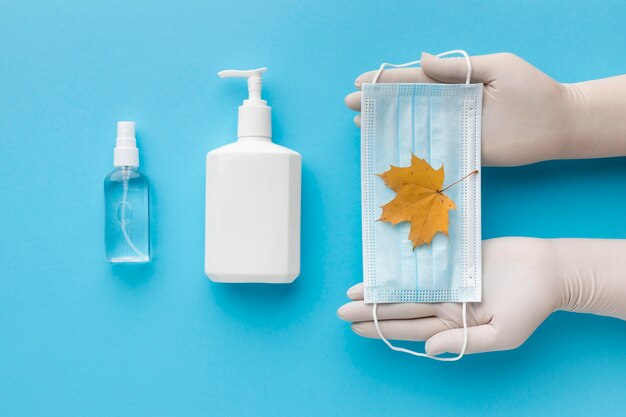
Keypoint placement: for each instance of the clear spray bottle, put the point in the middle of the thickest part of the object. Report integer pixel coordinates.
(127, 203)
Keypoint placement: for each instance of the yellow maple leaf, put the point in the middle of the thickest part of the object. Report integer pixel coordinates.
(419, 200)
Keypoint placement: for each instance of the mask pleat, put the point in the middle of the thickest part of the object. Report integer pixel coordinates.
(405, 147)
(386, 149)
(424, 254)
(446, 145)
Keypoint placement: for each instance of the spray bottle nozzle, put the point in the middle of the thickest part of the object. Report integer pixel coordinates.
(125, 152)
(254, 80)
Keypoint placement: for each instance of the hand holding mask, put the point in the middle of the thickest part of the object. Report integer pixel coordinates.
(526, 117)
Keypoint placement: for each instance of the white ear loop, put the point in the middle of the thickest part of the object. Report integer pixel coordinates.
(424, 355)
(408, 64)
(464, 314)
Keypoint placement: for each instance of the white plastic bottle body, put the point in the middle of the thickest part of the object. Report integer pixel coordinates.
(252, 230)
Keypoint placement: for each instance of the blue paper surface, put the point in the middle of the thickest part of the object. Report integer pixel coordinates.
(79, 337)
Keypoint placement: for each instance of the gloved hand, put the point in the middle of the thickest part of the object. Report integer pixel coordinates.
(524, 281)
(525, 112)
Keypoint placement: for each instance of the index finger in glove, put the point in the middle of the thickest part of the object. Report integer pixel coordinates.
(356, 311)
(395, 75)
(400, 75)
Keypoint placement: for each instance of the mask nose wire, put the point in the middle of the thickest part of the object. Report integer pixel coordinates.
(468, 62)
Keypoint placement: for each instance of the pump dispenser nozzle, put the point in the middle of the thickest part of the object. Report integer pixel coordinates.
(255, 118)
(254, 80)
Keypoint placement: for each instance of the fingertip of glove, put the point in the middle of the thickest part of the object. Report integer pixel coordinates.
(366, 77)
(351, 292)
(432, 349)
(426, 59)
(341, 311)
(357, 328)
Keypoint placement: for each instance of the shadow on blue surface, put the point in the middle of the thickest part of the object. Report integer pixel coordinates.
(561, 335)
(133, 275)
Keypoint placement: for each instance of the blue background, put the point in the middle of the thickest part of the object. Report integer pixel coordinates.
(79, 337)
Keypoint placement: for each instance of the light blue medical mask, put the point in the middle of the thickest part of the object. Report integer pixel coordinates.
(440, 123)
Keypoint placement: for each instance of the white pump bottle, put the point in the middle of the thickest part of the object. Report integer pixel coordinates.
(252, 199)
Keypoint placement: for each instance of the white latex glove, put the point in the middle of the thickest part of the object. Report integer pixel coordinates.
(524, 281)
(527, 116)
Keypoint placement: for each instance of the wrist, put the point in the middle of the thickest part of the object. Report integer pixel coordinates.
(573, 274)
(555, 277)
(565, 291)
(574, 105)
(590, 275)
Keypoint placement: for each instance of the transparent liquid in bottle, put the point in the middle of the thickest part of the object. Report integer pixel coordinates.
(127, 216)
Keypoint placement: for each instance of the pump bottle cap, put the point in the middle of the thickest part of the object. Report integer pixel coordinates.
(126, 152)
(255, 116)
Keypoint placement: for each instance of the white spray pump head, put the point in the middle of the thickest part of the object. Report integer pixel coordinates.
(255, 116)
(126, 152)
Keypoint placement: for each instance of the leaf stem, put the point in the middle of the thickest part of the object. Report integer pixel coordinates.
(458, 181)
